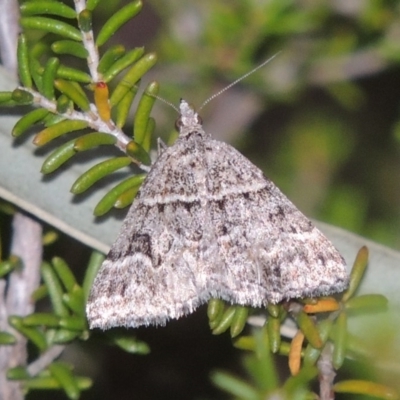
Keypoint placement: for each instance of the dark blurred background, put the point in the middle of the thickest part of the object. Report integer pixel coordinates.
(322, 120)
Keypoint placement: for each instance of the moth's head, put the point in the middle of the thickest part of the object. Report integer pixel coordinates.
(188, 118)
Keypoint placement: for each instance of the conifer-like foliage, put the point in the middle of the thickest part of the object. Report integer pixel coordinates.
(70, 100)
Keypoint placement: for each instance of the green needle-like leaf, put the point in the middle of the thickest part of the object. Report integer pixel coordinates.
(7, 338)
(62, 373)
(113, 54)
(54, 131)
(132, 77)
(235, 386)
(96, 259)
(22, 97)
(123, 107)
(339, 350)
(36, 336)
(73, 74)
(93, 139)
(75, 300)
(143, 111)
(108, 201)
(47, 7)
(64, 273)
(55, 290)
(74, 92)
(226, 321)
(239, 320)
(49, 74)
(58, 157)
(124, 62)
(309, 329)
(24, 71)
(117, 20)
(99, 171)
(51, 25)
(69, 47)
(41, 319)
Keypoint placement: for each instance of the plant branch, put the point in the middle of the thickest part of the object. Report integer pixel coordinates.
(16, 299)
(45, 359)
(89, 44)
(326, 373)
(9, 29)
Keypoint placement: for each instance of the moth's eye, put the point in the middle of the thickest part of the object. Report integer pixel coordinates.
(178, 124)
(199, 120)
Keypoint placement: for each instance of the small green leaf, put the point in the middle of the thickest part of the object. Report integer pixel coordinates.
(245, 343)
(7, 339)
(107, 202)
(125, 199)
(40, 293)
(311, 354)
(357, 272)
(57, 130)
(339, 350)
(64, 273)
(47, 7)
(366, 387)
(225, 322)
(7, 266)
(215, 309)
(151, 125)
(49, 74)
(6, 99)
(123, 107)
(62, 336)
(18, 373)
(24, 71)
(234, 386)
(73, 74)
(22, 97)
(97, 172)
(28, 120)
(130, 344)
(368, 303)
(92, 4)
(117, 20)
(113, 54)
(36, 336)
(41, 319)
(239, 320)
(93, 139)
(138, 153)
(64, 105)
(274, 334)
(309, 329)
(69, 47)
(143, 111)
(63, 374)
(74, 323)
(51, 25)
(58, 157)
(75, 300)
(96, 259)
(85, 20)
(55, 290)
(74, 92)
(132, 77)
(124, 62)
(274, 310)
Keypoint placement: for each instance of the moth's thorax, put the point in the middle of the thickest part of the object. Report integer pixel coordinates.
(189, 121)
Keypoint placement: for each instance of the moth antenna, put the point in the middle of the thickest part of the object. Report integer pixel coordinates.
(238, 80)
(166, 102)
